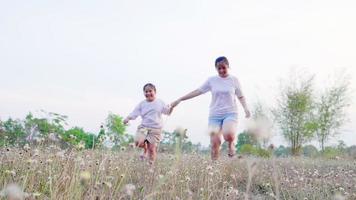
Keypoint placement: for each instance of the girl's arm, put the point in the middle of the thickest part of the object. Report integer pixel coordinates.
(190, 95)
(133, 115)
(242, 100)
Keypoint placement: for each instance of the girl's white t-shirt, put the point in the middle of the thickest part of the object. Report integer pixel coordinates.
(151, 113)
(224, 92)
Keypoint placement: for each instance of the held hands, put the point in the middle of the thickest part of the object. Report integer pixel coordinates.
(247, 113)
(126, 121)
(175, 103)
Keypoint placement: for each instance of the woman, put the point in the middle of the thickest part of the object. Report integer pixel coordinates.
(223, 108)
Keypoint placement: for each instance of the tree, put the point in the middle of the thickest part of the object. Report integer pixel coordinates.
(282, 151)
(310, 151)
(116, 130)
(330, 113)
(79, 138)
(13, 132)
(42, 127)
(245, 138)
(294, 111)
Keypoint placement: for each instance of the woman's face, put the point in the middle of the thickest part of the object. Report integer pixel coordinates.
(222, 68)
(150, 94)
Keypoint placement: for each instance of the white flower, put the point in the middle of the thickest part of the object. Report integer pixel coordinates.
(129, 189)
(260, 129)
(181, 132)
(13, 191)
(27, 147)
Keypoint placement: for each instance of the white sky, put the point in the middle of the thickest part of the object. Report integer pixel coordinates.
(86, 58)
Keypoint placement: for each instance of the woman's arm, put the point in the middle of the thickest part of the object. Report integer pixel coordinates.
(242, 100)
(190, 95)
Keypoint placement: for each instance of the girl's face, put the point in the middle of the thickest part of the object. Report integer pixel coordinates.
(150, 94)
(222, 68)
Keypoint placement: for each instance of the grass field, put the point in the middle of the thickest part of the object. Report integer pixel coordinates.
(52, 173)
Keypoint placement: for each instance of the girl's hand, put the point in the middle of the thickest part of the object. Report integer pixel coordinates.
(126, 121)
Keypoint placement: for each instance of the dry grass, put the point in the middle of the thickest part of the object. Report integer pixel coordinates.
(51, 173)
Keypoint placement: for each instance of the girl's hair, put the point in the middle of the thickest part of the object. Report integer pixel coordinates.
(221, 58)
(149, 85)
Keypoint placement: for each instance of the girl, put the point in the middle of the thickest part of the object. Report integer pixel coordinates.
(223, 108)
(148, 133)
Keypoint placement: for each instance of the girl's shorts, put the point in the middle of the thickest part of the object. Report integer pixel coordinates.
(219, 121)
(152, 135)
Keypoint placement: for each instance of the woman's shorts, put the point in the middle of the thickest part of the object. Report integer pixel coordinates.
(219, 121)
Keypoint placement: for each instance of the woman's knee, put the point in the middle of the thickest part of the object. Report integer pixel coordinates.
(229, 137)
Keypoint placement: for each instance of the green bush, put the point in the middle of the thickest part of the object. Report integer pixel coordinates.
(249, 149)
(331, 152)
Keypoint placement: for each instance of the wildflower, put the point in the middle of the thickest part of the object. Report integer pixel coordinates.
(107, 184)
(11, 172)
(181, 132)
(13, 191)
(187, 179)
(27, 147)
(129, 189)
(84, 177)
(81, 145)
(36, 194)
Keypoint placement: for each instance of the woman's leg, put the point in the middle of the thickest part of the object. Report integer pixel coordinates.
(229, 133)
(215, 141)
(215, 125)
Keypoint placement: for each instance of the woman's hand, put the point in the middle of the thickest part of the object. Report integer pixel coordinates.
(175, 103)
(126, 121)
(247, 113)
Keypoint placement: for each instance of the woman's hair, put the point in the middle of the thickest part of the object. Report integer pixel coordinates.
(221, 58)
(150, 85)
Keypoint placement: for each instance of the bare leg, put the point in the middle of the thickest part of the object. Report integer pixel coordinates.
(142, 144)
(152, 152)
(229, 129)
(215, 141)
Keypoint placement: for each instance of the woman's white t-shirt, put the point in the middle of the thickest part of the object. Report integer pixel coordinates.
(151, 113)
(224, 92)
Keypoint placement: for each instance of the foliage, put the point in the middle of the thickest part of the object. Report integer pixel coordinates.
(79, 138)
(282, 151)
(116, 130)
(175, 141)
(330, 112)
(245, 138)
(12, 132)
(310, 151)
(294, 111)
(248, 149)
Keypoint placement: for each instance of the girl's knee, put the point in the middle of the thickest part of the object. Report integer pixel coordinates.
(152, 147)
(140, 143)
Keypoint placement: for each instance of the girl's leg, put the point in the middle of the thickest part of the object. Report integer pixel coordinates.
(229, 129)
(152, 152)
(141, 143)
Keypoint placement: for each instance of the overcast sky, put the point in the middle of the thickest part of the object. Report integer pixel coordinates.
(87, 58)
